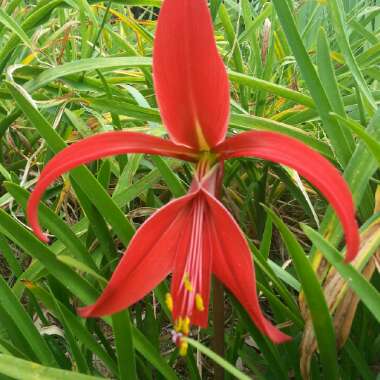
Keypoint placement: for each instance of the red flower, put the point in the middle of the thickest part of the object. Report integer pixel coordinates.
(195, 235)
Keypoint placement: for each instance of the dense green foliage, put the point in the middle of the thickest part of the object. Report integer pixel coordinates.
(73, 68)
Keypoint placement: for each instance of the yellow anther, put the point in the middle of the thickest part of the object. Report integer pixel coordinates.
(183, 346)
(187, 283)
(178, 324)
(186, 326)
(169, 301)
(199, 305)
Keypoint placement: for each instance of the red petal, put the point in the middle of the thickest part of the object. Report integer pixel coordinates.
(93, 148)
(193, 259)
(200, 318)
(190, 78)
(147, 261)
(232, 264)
(310, 164)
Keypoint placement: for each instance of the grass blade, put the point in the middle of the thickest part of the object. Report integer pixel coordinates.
(367, 293)
(217, 359)
(25, 325)
(322, 322)
(336, 11)
(22, 370)
(332, 128)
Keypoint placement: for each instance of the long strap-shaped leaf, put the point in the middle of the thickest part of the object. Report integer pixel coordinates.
(25, 324)
(332, 128)
(82, 176)
(36, 249)
(56, 225)
(336, 11)
(22, 369)
(78, 286)
(357, 174)
(86, 65)
(322, 322)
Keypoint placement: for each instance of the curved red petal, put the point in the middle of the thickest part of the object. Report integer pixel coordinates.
(189, 76)
(310, 164)
(147, 261)
(232, 264)
(93, 148)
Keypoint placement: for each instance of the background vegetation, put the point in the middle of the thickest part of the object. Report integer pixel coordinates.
(73, 68)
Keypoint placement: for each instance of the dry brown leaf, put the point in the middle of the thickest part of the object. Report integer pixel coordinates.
(341, 300)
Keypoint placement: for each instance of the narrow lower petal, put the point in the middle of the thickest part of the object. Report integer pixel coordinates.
(189, 76)
(310, 164)
(93, 148)
(232, 264)
(190, 287)
(147, 261)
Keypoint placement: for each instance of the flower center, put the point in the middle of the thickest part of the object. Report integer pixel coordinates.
(206, 161)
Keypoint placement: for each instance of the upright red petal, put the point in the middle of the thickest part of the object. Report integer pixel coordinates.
(189, 76)
(232, 264)
(310, 164)
(147, 261)
(93, 148)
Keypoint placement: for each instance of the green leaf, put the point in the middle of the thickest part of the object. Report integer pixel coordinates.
(322, 322)
(82, 176)
(70, 336)
(236, 52)
(152, 355)
(329, 82)
(214, 8)
(74, 323)
(25, 324)
(332, 128)
(359, 171)
(217, 359)
(35, 248)
(276, 89)
(77, 265)
(372, 145)
(122, 328)
(89, 64)
(336, 11)
(55, 224)
(40, 11)
(11, 24)
(265, 13)
(24, 370)
(363, 288)
(9, 257)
